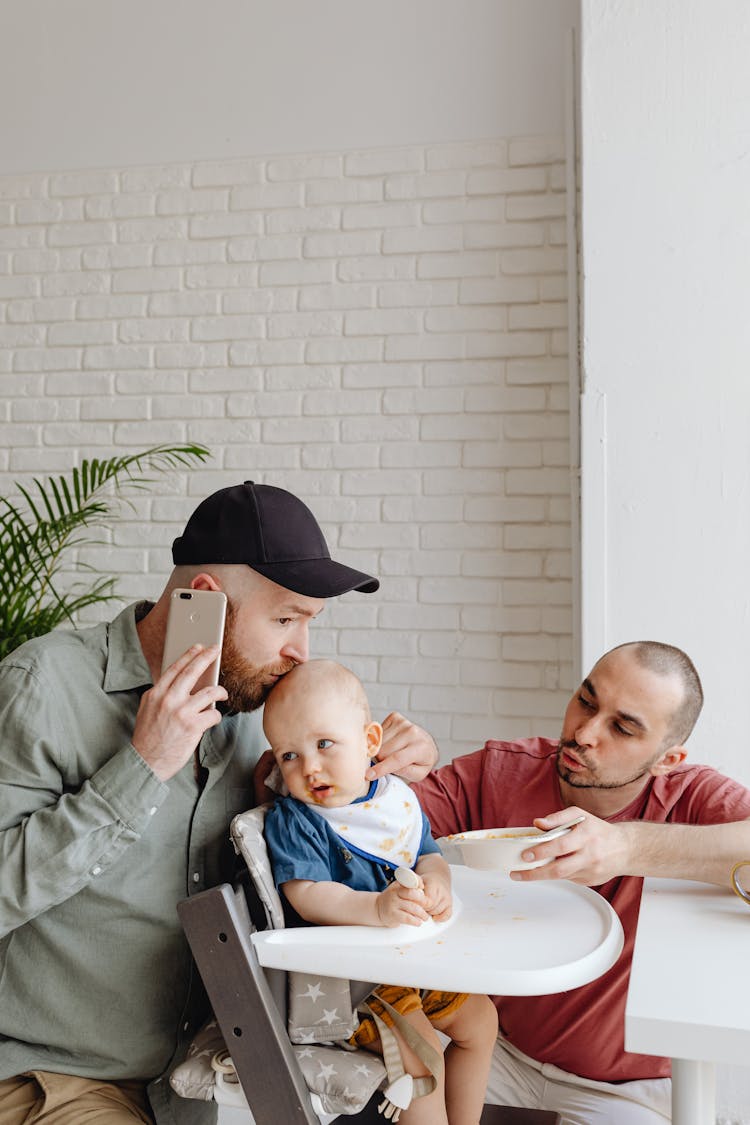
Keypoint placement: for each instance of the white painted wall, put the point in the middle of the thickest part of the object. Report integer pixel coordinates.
(666, 234)
(666, 339)
(94, 83)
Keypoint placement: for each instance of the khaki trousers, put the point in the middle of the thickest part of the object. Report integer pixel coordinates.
(64, 1099)
(517, 1080)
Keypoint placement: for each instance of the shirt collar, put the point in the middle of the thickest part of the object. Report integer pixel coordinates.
(369, 794)
(127, 667)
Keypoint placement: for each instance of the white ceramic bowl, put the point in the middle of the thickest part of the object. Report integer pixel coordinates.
(496, 849)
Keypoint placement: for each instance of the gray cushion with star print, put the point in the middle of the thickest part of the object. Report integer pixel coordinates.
(320, 1009)
(195, 1077)
(344, 1081)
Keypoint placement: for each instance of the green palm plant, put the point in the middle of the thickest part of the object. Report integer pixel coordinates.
(58, 514)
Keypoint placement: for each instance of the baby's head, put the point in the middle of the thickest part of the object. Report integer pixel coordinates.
(317, 720)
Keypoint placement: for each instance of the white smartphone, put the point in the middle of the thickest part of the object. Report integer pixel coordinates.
(195, 617)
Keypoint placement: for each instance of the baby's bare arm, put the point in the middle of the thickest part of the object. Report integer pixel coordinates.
(333, 904)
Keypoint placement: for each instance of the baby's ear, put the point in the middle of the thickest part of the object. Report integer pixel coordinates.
(374, 736)
(275, 780)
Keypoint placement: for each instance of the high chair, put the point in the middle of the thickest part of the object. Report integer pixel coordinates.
(245, 1056)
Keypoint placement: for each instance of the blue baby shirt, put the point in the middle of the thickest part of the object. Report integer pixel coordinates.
(302, 845)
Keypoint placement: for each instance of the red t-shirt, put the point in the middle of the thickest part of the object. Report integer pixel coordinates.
(510, 784)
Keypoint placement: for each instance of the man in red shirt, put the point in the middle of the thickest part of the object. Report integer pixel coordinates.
(621, 761)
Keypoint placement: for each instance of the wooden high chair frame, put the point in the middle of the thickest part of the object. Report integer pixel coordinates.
(249, 1003)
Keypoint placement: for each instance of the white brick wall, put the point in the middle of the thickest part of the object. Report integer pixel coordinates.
(383, 333)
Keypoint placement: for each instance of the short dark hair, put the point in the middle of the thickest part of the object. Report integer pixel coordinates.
(667, 660)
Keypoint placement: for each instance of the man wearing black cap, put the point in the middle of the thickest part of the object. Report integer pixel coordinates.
(117, 786)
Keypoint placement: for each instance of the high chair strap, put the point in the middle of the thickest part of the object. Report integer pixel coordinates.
(402, 1088)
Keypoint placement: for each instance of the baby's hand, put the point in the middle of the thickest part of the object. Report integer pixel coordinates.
(398, 905)
(437, 897)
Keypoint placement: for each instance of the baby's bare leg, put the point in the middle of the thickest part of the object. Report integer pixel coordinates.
(473, 1031)
(430, 1109)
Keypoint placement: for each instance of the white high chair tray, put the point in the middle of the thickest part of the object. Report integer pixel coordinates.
(505, 938)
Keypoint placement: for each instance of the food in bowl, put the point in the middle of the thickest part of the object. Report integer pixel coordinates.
(493, 849)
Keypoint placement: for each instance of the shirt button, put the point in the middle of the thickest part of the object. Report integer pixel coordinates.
(152, 811)
(96, 870)
(196, 877)
(185, 1026)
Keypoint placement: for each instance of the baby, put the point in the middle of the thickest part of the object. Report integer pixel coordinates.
(335, 843)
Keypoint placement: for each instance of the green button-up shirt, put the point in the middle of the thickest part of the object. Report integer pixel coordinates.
(95, 852)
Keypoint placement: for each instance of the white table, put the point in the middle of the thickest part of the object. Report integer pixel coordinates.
(688, 995)
(505, 938)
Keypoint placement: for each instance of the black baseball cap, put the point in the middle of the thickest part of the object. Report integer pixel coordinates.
(271, 531)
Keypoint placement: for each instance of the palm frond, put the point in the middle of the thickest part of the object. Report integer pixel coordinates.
(133, 470)
(59, 514)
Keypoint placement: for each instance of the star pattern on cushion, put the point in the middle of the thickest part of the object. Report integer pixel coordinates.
(312, 992)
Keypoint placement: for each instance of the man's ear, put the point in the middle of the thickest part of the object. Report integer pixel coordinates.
(374, 736)
(204, 581)
(668, 761)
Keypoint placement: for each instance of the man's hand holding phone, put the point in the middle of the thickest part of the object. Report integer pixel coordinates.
(173, 717)
(176, 712)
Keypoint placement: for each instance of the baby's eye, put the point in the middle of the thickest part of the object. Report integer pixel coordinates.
(288, 756)
(324, 743)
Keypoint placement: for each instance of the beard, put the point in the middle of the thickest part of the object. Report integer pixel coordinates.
(590, 780)
(247, 684)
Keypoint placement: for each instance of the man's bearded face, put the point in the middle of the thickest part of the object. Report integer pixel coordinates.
(247, 684)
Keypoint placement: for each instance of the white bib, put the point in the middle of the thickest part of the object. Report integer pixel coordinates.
(386, 825)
